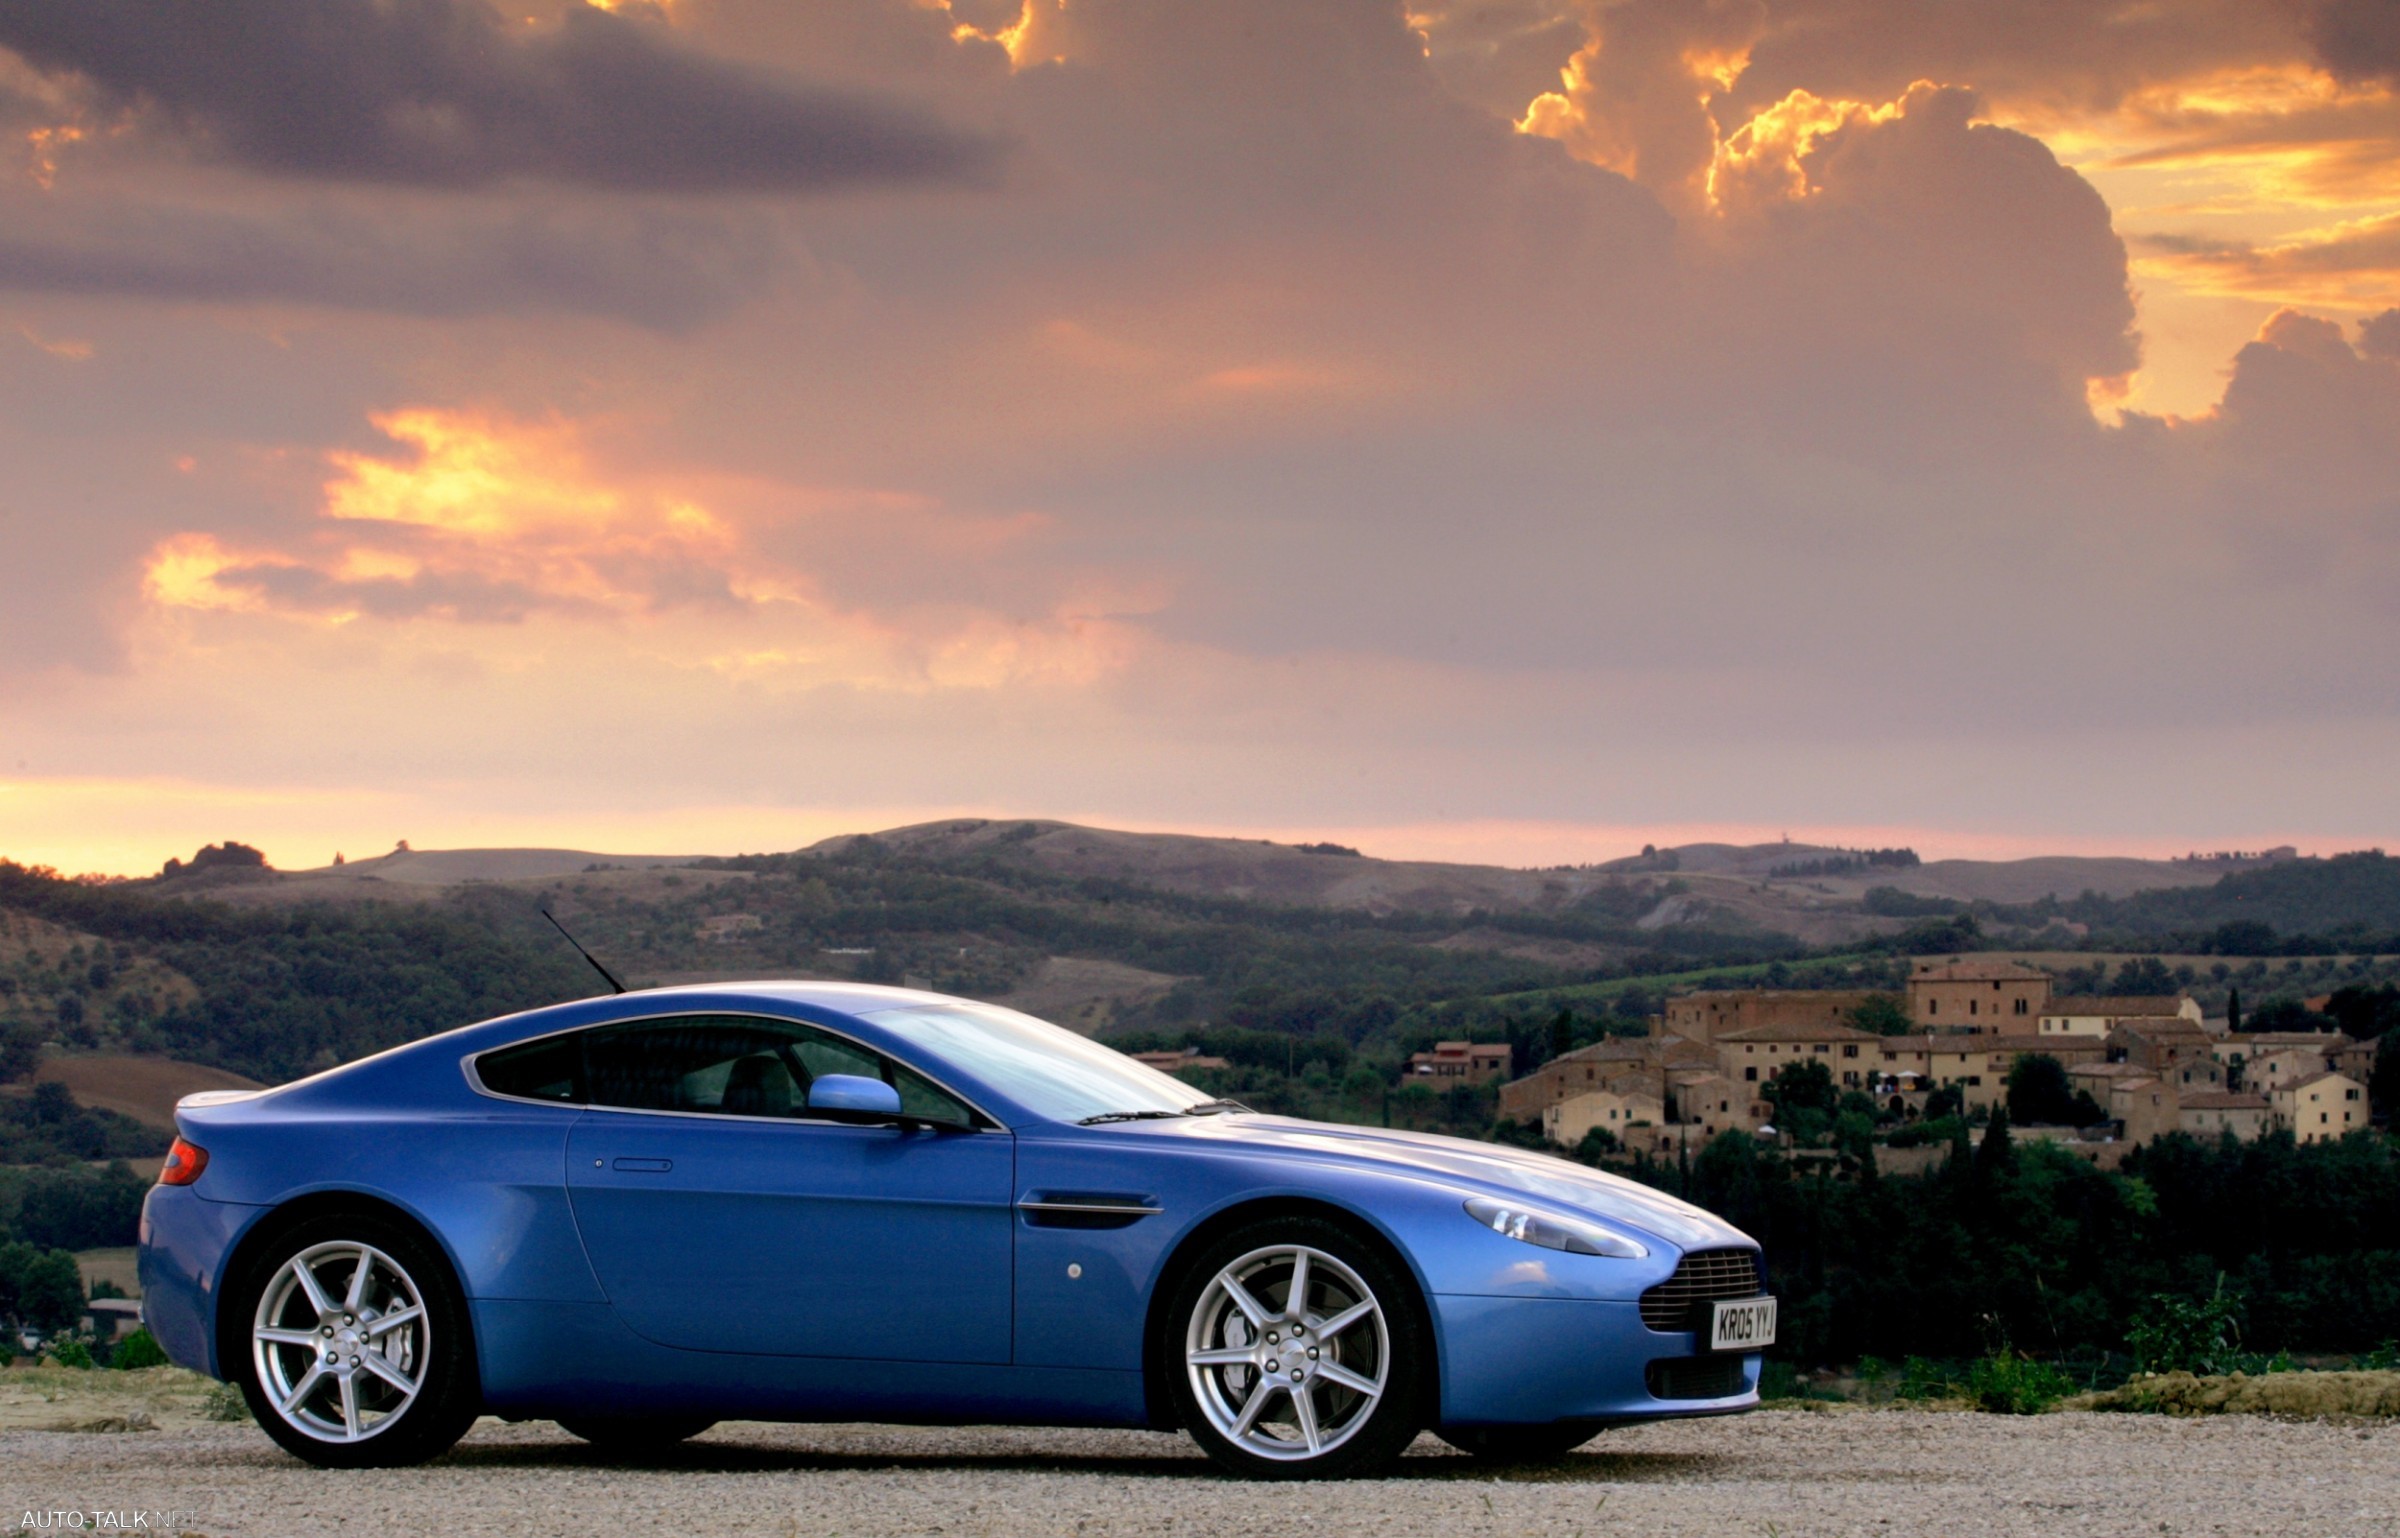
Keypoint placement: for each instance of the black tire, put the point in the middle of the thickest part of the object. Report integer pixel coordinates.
(1363, 1434)
(1519, 1444)
(440, 1355)
(635, 1435)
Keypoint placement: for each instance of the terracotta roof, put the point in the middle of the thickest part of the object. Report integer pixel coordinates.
(2290, 1041)
(2159, 1027)
(1976, 972)
(1954, 1042)
(2108, 1071)
(2298, 1085)
(1825, 995)
(1617, 1049)
(2119, 1005)
(1799, 1030)
(2218, 1101)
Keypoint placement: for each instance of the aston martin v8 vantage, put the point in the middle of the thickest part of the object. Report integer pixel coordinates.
(640, 1215)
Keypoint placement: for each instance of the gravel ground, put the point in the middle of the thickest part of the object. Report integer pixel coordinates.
(1776, 1474)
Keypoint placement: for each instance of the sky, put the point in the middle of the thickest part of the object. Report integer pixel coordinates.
(1503, 429)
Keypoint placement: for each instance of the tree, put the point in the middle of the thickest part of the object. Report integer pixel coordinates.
(2233, 1009)
(2383, 1085)
(1562, 1033)
(1883, 1014)
(2145, 975)
(20, 1051)
(2365, 1013)
(1997, 1151)
(1805, 1086)
(39, 1287)
(2286, 1014)
(2039, 1092)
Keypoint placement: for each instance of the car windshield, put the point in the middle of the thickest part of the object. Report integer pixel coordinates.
(1048, 1069)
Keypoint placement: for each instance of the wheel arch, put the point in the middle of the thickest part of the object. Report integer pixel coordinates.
(233, 1331)
(1158, 1364)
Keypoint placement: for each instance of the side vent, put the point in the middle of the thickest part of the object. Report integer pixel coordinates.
(1086, 1209)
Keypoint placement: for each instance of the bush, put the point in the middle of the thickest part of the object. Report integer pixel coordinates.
(74, 1210)
(2201, 1336)
(42, 1288)
(2006, 1383)
(71, 1353)
(1923, 1379)
(137, 1351)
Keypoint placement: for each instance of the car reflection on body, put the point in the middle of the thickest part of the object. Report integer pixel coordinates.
(643, 1214)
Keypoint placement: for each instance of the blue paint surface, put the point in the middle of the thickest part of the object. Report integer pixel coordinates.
(821, 1269)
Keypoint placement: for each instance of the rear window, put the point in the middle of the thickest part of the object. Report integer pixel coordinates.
(537, 1070)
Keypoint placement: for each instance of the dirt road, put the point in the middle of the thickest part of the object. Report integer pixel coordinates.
(1773, 1474)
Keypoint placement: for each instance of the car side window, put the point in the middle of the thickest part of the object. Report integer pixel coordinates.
(732, 1065)
(922, 1098)
(549, 1069)
(825, 1054)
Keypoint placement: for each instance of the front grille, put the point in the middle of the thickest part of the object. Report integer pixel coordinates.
(1697, 1377)
(1700, 1277)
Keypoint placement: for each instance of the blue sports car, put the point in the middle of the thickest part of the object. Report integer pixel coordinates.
(830, 1202)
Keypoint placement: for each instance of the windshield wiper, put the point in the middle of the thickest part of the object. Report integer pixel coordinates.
(1204, 1108)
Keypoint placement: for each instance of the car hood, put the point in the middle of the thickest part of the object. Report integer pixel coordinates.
(1485, 1168)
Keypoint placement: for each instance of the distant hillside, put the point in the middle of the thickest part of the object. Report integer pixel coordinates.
(1250, 870)
(270, 974)
(2347, 894)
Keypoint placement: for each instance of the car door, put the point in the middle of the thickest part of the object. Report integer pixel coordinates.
(720, 1215)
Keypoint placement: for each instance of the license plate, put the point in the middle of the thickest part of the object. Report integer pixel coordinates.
(1747, 1324)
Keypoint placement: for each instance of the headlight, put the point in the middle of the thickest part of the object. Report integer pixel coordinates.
(1553, 1232)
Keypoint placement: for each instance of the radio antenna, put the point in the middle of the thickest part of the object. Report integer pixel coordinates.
(580, 951)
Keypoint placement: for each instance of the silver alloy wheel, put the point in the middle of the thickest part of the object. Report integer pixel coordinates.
(1288, 1352)
(340, 1341)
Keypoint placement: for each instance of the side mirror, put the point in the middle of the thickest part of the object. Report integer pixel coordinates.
(853, 1093)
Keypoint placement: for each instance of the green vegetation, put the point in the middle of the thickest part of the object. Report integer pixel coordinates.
(72, 1208)
(2008, 1248)
(47, 1125)
(287, 991)
(39, 1287)
(137, 1351)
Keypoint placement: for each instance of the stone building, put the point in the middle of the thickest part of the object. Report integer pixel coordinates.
(2321, 1109)
(1986, 996)
(2089, 1015)
(1755, 1055)
(1459, 1062)
(2213, 1114)
(1708, 1015)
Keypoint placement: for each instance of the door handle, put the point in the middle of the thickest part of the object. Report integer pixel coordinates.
(644, 1166)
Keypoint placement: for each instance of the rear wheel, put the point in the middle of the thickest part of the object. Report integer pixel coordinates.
(358, 1348)
(634, 1435)
(1300, 1352)
(1519, 1444)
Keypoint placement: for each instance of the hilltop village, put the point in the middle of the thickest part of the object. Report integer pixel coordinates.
(2101, 1074)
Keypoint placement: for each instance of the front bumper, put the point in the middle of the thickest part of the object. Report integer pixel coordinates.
(1530, 1361)
(185, 1242)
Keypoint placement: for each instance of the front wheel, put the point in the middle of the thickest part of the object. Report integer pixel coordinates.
(1300, 1350)
(358, 1349)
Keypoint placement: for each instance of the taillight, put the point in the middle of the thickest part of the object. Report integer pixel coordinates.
(184, 1163)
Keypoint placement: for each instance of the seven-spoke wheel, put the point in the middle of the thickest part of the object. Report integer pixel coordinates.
(1300, 1352)
(356, 1349)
